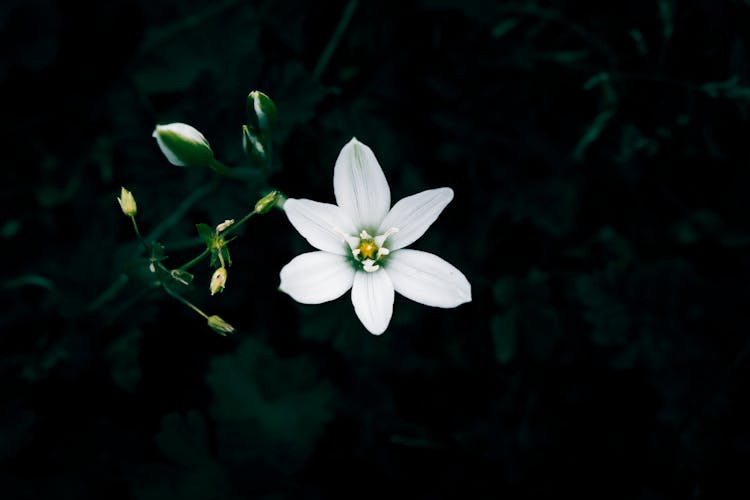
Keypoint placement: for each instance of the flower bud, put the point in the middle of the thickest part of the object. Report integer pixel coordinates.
(268, 202)
(183, 145)
(224, 225)
(261, 112)
(218, 280)
(219, 325)
(127, 202)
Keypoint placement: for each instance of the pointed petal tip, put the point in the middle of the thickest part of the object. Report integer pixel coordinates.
(373, 297)
(377, 333)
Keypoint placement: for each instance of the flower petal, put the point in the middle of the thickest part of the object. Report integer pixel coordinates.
(413, 215)
(372, 296)
(317, 277)
(322, 224)
(360, 185)
(427, 279)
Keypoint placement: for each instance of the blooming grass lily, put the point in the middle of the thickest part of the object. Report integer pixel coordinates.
(361, 245)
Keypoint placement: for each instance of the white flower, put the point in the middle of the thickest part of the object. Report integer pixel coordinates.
(361, 244)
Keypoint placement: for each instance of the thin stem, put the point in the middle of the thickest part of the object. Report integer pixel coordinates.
(179, 212)
(138, 233)
(205, 253)
(108, 294)
(239, 223)
(184, 301)
(233, 172)
(220, 168)
(325, 56)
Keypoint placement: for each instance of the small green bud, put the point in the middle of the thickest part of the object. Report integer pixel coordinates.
(127, 202)
(261, 112)
(218, 280)
(268, 202)
(219, 325)
(183, 145)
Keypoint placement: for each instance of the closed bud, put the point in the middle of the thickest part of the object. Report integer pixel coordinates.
(218, 280)
(127, 202)
(219, 325)
(268, 202)
(224, 225)
(261, 112)
(183, 145)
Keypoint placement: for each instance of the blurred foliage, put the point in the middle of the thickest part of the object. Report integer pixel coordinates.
(600, 169)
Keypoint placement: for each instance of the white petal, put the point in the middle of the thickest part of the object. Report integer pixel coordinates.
(372, 296)
(427, 279)
(322, 224)
(360, 185)
(413, 215)
(317, 277)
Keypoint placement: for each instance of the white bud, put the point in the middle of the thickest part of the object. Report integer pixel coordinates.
(183, 145)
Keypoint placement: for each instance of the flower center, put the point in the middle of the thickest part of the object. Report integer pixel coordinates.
(369, 251)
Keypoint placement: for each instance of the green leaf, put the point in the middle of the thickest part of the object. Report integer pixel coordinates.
(270, 410)
(206, 233)
(193, 473)
(504, 27)
(593, 132)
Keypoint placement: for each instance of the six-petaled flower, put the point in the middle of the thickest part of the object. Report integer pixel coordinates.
(361, 245)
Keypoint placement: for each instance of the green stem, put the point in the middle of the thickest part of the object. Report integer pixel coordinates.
(184, 301)
(205, 253)
(239, 223)
(108, 294)
(233, 172)
(330, 48)
(183, 208)
(220, 168)
(138, 233)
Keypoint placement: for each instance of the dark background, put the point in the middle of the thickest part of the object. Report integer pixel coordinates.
(599, 159)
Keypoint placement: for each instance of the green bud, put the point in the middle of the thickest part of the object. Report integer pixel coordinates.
(268, 202)
(218, 280)
(219, 325)
(183, 145)
(261, 112)
(127, 202)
